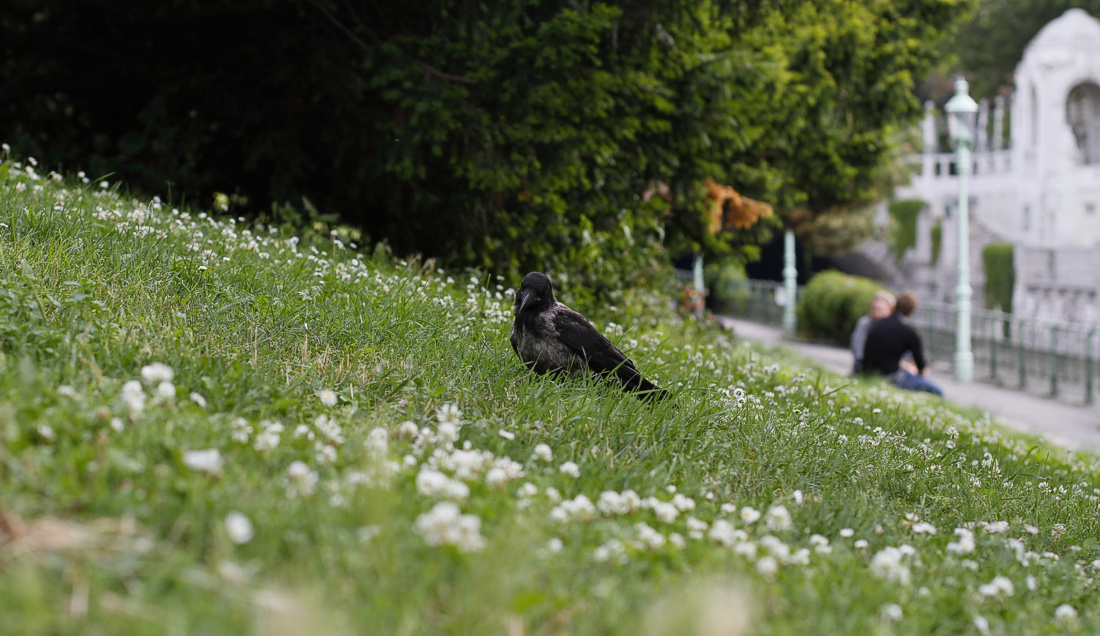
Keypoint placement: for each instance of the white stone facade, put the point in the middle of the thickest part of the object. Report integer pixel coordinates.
(1035, 182)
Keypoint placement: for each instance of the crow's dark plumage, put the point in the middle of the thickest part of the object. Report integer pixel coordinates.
(550, 337)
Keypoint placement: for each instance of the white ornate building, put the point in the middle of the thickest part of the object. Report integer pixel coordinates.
(1035, 182)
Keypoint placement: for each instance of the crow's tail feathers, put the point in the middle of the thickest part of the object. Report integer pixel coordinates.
(642, 388)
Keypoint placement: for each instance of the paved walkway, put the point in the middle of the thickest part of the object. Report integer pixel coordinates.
(1074, 427)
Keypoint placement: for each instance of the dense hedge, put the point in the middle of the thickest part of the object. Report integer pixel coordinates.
(831, 303)
(903, 225)
(1000, 276)
(937, 240)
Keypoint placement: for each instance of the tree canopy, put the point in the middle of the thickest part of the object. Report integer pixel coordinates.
(989, 44)
(512, 135)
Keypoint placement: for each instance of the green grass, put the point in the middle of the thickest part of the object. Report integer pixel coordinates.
(106, 528)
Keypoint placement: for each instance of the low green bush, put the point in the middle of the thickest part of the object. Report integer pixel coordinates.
(832, 302)
(1000, 276)
(903, 225)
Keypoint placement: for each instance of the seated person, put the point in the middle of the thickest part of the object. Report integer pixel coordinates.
(881, 306)
(889, 339)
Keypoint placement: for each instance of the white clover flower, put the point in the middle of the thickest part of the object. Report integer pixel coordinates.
(496, 477)
(649, 538)
(328, 427)
(683, 503)
(891, 612)
(1031, 583)
(570, 469)
(445, 524)
(207, 461)
(408, 430)
(982, 624)
(750, 515)
(612, 503)
(238, 527)
(447, 433)
(1030, 529)
(723, 533)
(696, 527)
(45, 431)
(527, 490)
(198, 399)
(555, 545)
(543, 452)
(1057, 531)
(999, 587)
(886, 564)
(67, 391)
(301, 480)
(166, 391)
(268, 438)
(242, 430)
(797, 497)
(767, 566)
(778, 518)
(965, 544)
(579, 507)
(134, 398)
(775, 547)
(996, 527)
(746, 549)
(302, 430)
(434, 484)
(923, 527)
(328, 397)
(553, 494)
(508, 435)
(665, 512)
(325, 454)
(1065, 612)
(157, 372)
(612, 549)
(847, 533)
(449, 413)
(117, 424)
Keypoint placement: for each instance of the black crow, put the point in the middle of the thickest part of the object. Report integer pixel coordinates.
(550, 337)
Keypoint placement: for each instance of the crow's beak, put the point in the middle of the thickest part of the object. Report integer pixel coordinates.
(523, 298)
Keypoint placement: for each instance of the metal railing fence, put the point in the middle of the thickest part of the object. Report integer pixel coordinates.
(1039, 356)
(1043, 357)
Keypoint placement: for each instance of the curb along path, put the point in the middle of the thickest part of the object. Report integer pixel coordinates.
(1073, 427)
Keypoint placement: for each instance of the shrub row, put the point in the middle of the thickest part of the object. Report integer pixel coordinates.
(831, 303)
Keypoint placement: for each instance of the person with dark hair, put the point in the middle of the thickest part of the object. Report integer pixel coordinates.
(889, 340)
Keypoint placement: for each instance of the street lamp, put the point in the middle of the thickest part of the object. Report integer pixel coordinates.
(961, 109)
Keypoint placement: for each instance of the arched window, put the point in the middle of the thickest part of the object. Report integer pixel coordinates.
(1083, 117)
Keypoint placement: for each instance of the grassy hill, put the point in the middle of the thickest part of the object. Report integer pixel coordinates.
(212, 427)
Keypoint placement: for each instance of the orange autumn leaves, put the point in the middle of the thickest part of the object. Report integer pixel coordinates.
(728, 210)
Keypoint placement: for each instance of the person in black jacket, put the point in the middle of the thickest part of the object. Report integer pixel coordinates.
(889, 340)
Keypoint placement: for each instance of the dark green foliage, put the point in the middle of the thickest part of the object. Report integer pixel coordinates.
(990, 44)
(937, 240)
(903, 225)
(1000, 276)
(510, 135)
(832, 302)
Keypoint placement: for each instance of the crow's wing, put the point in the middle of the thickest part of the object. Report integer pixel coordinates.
(602, 357)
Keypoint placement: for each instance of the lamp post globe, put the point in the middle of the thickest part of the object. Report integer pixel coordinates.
(961, 109)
